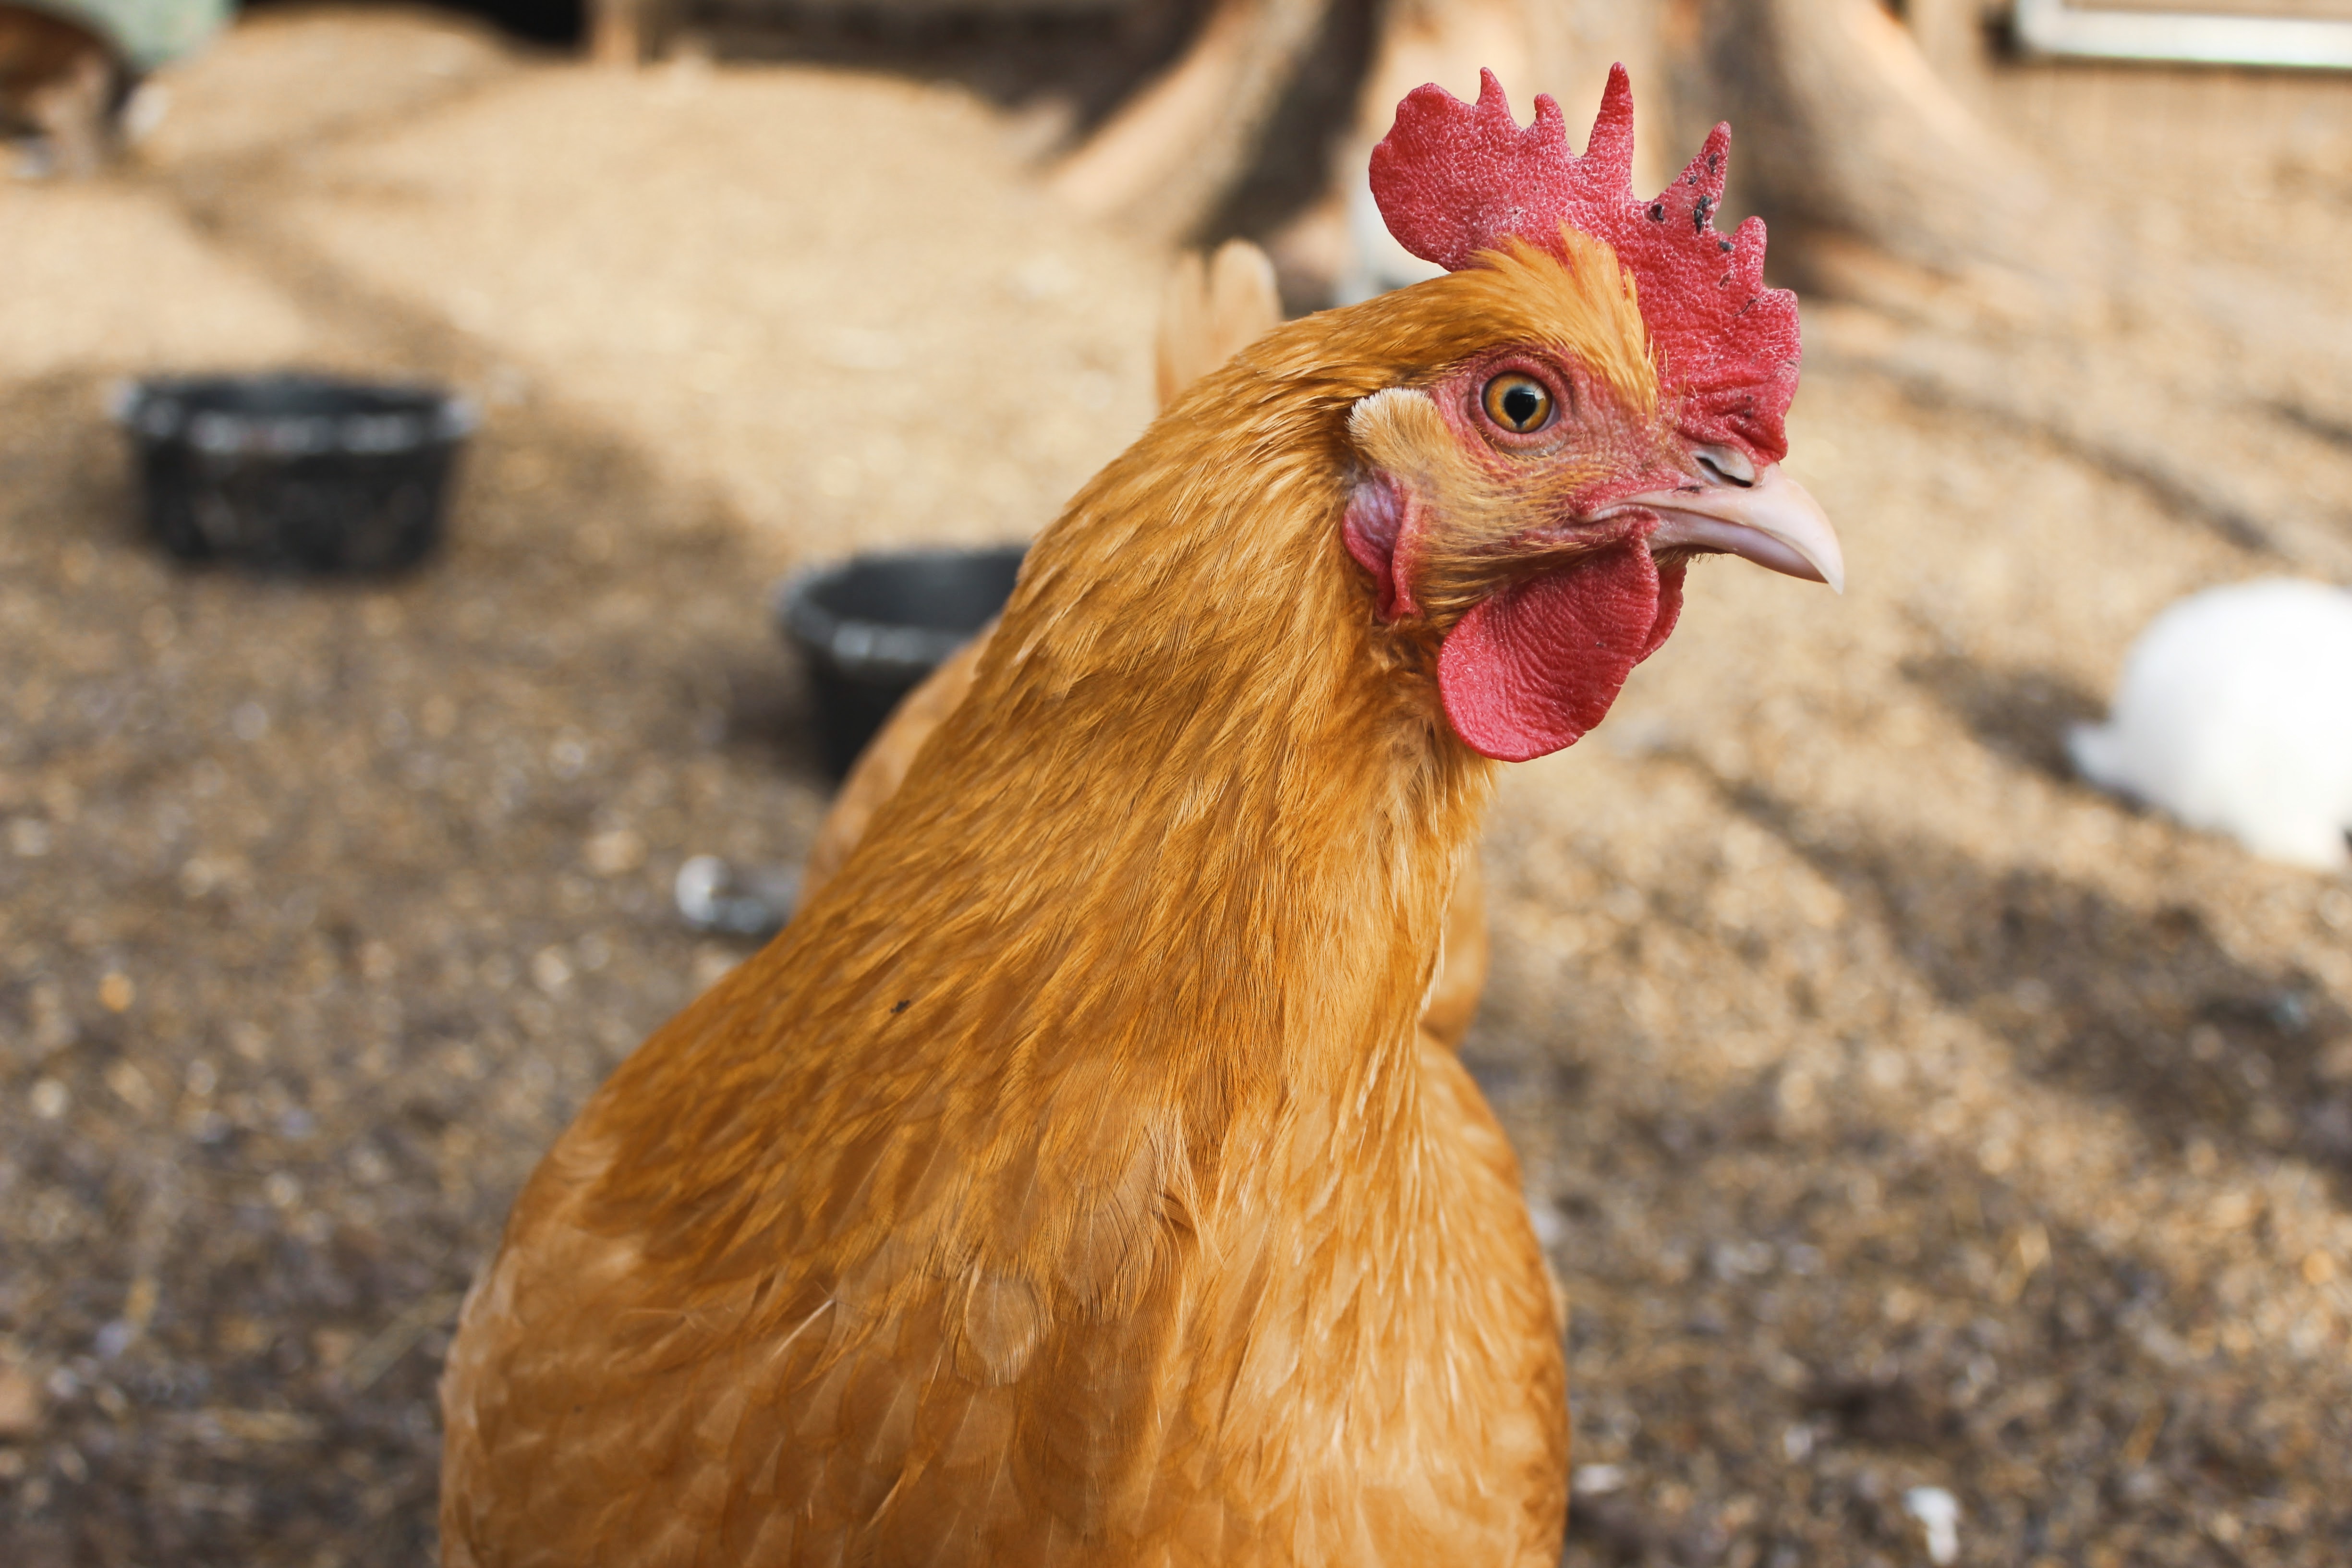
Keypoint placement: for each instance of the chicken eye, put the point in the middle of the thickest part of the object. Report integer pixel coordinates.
(1517, 402)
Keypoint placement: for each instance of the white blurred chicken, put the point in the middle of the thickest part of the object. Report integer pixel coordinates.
(2235, 714)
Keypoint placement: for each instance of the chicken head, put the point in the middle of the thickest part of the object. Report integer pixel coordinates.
(1616, 408)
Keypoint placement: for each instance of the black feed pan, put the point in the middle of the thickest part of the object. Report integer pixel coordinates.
(874, 626)
(307, 472)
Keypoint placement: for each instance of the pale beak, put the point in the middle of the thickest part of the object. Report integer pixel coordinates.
(1772, 522)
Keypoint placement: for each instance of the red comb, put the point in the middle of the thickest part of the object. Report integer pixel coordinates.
(1454, 179)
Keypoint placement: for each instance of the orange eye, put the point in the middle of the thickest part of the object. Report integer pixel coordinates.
(1517, 402)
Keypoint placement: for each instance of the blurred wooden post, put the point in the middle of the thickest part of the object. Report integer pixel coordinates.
(620, 32)
(1860, 153)
(60, 78)
(1170, 153)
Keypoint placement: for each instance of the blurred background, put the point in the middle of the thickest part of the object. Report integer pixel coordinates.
(1949, 1160)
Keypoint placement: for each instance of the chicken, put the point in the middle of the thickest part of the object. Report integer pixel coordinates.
(2235, 714)
(1068, 1183)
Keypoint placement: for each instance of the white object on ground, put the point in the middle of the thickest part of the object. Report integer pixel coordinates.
(2235, 714)
(714, 896)
(1939, 1513)
(1597, 1480)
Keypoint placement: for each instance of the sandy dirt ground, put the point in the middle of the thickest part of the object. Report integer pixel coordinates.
(1900, 1112)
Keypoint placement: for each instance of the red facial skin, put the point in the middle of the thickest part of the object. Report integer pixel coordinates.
(1536, 663)
(1387, 529)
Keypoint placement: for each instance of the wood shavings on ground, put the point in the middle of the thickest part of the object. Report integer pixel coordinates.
(1905, 1116)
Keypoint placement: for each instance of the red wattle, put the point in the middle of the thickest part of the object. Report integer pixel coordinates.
(1670, 607)
(1531, 669)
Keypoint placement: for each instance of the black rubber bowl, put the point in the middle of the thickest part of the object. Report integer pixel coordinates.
(874, 626)
(301, 472)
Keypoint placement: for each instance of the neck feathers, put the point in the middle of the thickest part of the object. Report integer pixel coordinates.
(1196, 813)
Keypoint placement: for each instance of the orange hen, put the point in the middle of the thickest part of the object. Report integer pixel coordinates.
(1069, 1181)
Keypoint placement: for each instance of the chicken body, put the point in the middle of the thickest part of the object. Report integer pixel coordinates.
(1070, 1182)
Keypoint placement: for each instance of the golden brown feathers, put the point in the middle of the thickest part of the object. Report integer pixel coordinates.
(1069, 1183)
(1210, 310)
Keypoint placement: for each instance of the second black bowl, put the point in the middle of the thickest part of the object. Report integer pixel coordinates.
(874, 626)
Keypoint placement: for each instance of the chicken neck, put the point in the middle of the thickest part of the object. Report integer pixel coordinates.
(1198, 814)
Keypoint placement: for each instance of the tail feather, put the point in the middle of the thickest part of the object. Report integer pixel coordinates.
(1210, 310)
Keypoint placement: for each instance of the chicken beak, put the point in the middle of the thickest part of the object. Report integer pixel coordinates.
(1772, 522)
